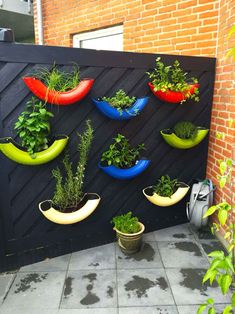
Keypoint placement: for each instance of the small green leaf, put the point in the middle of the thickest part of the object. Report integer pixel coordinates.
(210, 211)
(228, 310)
(222, 216)
(223, 167)
(201, 308)
(210, 301)
(217, 254)
(222, 181)
(211, 311)
(225, 283)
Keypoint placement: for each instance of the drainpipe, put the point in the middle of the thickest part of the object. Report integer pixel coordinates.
(40, 24)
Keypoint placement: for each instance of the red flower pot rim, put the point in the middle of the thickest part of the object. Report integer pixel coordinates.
(174, 97)
(39, 89)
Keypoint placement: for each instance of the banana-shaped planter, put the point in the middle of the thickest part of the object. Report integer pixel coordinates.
(124, 114)
(14, 152)
(174, 97)
(129, 173)
(166, 201)
(58, 98)
(173, 140)
(89, 203)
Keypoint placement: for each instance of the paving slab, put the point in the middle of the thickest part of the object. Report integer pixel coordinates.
(143, 287)
(147, 257)
(101, 257)
(5, 283)
(90, 289)
(35, 290)
(212, 245)
(17, 310)
(89, 311)
(182, 254)
(176, 233)
(49, 264)
(191, 309)
(187, 288)
(149, 310)
(149, 237)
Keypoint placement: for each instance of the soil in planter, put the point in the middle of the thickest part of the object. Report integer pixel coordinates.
(149, 191)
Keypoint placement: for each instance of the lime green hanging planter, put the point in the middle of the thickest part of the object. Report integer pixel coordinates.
(16, 153)
(180, 143)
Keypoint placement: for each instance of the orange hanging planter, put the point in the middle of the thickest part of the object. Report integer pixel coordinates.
(58, 98)
(174, 97)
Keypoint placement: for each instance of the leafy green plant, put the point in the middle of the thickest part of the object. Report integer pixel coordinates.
(165, 186)
(172, 78)
(120, 100)
(121, 154)
(126, 223)
(185, 130)
(58, 80)
(33, 127)
(68, 192)
(222, 266)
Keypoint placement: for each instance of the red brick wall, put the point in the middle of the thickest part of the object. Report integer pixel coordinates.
(187, 27)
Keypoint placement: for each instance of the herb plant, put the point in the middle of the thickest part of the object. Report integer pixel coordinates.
(68, 192)
(185, 130)
(172, 78)
(165, 186)
(33, 127)
(121, 154)
(58, 80)
(120, 100)
(126, 223)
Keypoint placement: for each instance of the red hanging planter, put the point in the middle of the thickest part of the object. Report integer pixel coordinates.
(58, 98)
(174, 97)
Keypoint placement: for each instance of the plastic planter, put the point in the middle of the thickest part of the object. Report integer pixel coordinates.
(12, 150)
(174, 97)
(58, 98)
(166, 201)
(130, 242)
(180, 143)
(56, 216)
(129, 173)
(125, 114)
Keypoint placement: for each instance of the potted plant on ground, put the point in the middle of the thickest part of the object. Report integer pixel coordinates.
(120, 106)
(121, 161)
(58, 87)
(170, 83)
(166, 192)
(129, 232)
(184, 135)
(69, 203)
(33, 128)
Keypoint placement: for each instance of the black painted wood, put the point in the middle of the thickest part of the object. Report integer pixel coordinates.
(25, 235)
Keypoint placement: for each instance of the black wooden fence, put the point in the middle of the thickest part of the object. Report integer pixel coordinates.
(25, 235)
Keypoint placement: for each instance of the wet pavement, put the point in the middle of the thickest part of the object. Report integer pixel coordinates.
(163, 278)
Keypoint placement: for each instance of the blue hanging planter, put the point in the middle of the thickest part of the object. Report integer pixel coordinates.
(129, 173)
(124, 114)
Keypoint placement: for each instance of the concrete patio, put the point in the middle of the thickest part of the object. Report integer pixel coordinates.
(164, 278)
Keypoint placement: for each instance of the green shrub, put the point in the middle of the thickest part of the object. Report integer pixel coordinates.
(120, 153)
(33, 127)
(126, 223)
(165, 186)
(58, 80)
(186, 130)
(68, 192)
(172, 78)
(120, 100)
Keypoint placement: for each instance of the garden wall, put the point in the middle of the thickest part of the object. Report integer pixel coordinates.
(26, 236)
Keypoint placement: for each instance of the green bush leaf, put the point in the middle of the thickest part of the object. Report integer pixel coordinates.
(217, 254)
(228, 310)
(211, 311)
(201, 308)
(210, 211)
(225, 283)
(222, 216)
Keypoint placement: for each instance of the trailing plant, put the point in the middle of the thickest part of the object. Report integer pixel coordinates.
(185, 130)
(68, 192)
(121, 154)
(172, 78)
(120, 100)
(126, 223)
(165, 186)
(59, 80)
(222, 266)
(33, 127)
